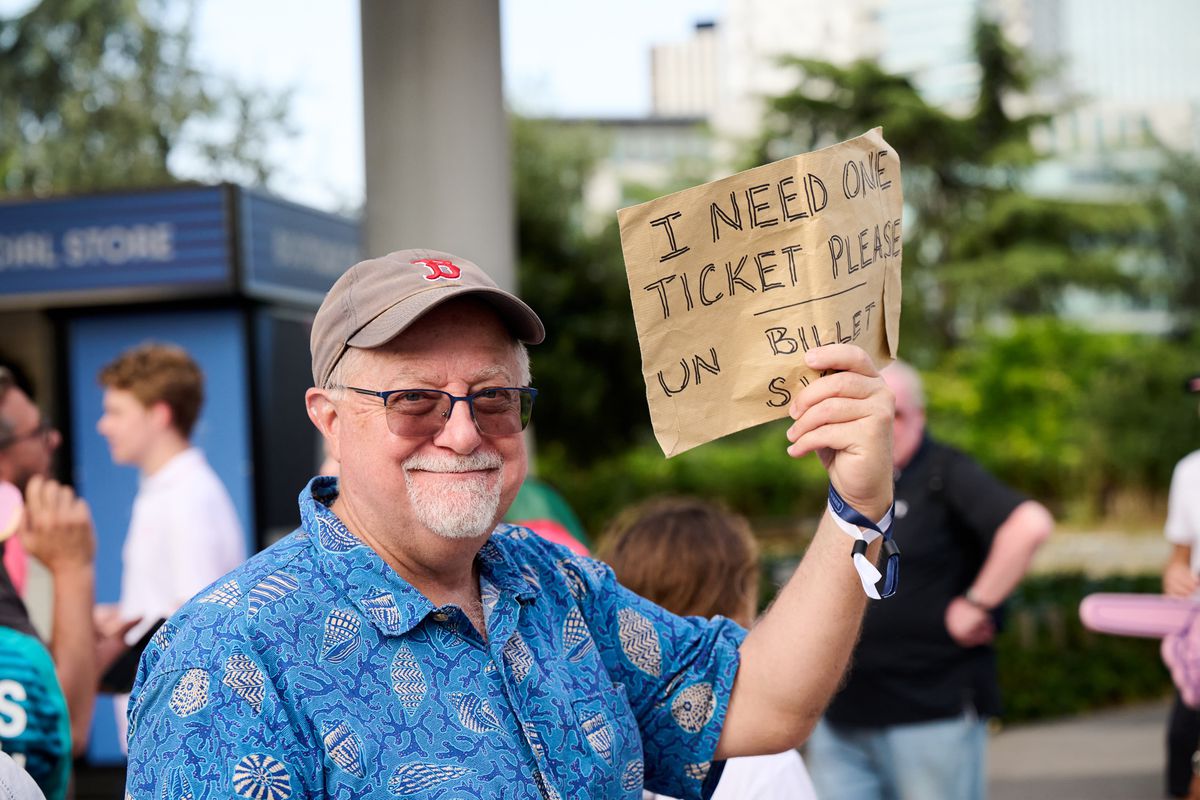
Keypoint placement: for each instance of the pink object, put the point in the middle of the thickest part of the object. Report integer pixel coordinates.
(1150, 616)
(552, 531)
(16, 562)
(1176, 620)
(11, 508)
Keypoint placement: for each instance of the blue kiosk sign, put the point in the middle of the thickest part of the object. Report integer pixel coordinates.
(195, 241)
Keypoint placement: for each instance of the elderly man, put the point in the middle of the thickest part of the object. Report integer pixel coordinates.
(401, 644)
(911, 720)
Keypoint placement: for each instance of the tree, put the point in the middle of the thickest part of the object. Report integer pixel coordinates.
(588, 366)
(1179, 211)
(101, 95)
(976, 245)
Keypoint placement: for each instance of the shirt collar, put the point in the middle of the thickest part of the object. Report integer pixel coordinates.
(178, 465)
(388, 601)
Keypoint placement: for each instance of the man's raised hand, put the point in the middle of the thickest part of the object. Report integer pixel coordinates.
(845, 417)
(58, 528)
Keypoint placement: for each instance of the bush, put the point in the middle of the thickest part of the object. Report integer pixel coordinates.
(1074, 418)
(1050, 665)
(749, 471)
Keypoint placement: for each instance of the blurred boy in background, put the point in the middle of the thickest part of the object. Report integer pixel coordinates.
(184, 532)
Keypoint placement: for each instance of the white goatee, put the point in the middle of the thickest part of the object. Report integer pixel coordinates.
(457, 508)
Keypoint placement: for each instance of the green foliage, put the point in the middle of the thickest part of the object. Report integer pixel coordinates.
(1179, 210)
(100, 95)
(1050, 665)
(1067, 414)
(976, 246)
(750, 471)
(589, 366)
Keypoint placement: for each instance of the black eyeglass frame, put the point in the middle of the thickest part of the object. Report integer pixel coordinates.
(524, 391)
(43, 430)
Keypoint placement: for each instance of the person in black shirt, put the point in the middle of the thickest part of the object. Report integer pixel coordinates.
(910, 721)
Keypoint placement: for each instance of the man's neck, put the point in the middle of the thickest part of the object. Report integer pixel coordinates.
(161, 453)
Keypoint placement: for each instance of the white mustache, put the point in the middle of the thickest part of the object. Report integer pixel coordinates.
(440, 463)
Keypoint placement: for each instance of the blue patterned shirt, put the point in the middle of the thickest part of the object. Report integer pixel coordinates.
(315, 670)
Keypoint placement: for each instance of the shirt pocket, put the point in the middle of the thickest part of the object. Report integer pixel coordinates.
(612, 766)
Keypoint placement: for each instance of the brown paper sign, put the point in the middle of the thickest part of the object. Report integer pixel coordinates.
(732, 281)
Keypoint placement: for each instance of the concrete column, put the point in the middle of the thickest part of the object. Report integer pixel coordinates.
(437, 158)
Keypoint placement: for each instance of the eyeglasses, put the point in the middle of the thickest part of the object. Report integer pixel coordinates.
(496, 411)
(43, 431)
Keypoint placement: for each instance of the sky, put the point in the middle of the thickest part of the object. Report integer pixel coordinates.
(560, 57)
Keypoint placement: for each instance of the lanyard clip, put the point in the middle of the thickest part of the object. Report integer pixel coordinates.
(853, 523)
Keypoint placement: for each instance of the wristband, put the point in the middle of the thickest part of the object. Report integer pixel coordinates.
(864, 531)
(975, 601)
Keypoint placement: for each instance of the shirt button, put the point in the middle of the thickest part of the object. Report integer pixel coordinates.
(441, 616)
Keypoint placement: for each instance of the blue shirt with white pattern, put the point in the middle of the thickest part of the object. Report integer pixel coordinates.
(315, 670)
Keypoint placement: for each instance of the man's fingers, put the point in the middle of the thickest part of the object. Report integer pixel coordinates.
(841, 357)
(832, 411)
(65, 498)
(33, 495)
(80, 511)
(838, 436)
(839, 384)
(46, 495)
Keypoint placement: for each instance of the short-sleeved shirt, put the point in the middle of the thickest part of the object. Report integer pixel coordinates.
(906, 667)
(184, 533)
(35, 728)
(314, 670)
(1183, 507)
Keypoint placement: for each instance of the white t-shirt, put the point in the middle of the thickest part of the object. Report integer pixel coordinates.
(15, 783)
(1183, 507)
(183, 535)
(782, 776)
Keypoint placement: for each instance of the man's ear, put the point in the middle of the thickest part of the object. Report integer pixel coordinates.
(324, 415)
(161, 414)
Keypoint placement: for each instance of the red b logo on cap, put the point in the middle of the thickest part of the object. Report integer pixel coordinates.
(440, 268)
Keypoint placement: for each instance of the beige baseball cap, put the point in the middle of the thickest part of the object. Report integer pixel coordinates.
(377, 299)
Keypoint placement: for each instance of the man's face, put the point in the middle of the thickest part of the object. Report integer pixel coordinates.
(128, 426)
(31, 449)
(909, 426)
(457, 483)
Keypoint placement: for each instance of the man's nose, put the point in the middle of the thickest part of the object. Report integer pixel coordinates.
(459, 434)
(53, 439)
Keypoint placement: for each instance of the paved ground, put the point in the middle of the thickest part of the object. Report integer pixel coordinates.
(1110, 755)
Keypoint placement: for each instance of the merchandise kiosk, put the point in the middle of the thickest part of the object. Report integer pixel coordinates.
(233, 276)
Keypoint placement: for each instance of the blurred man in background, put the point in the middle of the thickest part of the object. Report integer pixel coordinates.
(910, 722)
(184, 532)
(1179, 580)
(46, 699)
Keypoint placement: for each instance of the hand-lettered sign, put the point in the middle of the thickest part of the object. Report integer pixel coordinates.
(734, 280)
